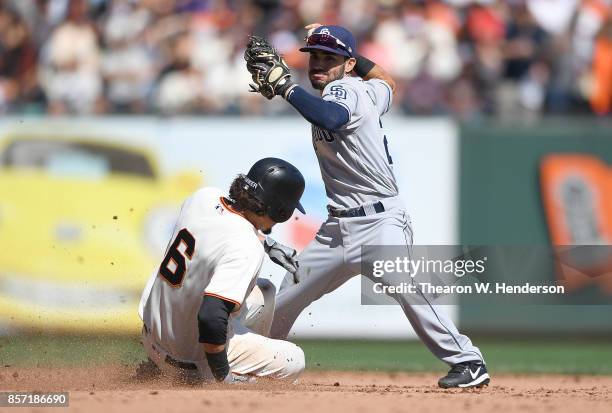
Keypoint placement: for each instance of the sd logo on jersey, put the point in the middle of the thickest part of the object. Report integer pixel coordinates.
(338, 91)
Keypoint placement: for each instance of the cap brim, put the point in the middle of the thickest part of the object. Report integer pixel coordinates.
(325, 49)
(300, 208)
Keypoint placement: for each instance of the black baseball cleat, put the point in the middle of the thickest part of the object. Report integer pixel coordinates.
(465, 375)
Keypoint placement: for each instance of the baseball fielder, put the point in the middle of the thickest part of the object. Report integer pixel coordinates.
(357, 170)
(205, 313)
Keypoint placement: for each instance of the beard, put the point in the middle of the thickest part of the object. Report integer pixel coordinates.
(332, 76)
(267, 231)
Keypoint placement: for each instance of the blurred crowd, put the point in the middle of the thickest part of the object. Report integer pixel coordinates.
(465, 58)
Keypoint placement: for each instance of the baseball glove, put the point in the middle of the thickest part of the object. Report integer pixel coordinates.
(271, 75)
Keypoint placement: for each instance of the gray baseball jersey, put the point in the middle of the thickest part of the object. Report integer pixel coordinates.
(355, 163)
(357, 169)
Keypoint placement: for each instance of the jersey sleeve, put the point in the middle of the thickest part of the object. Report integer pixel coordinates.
(381, 93)
(235, 271)
(344, 94)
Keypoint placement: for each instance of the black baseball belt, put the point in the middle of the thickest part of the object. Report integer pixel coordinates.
(359, 211)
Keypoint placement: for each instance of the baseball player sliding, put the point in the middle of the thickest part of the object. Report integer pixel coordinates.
(357, 170)
(205, 313)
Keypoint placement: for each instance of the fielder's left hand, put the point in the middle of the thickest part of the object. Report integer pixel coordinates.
(271, 75)
(281, 255)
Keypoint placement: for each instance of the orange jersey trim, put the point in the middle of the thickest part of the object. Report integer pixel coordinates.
(223, 298)
(228, 207)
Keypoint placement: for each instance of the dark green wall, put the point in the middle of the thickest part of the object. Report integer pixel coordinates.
(500, 204)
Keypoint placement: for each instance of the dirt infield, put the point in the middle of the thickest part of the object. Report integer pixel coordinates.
(115, 389)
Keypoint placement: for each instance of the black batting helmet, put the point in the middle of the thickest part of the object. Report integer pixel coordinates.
(278, 185)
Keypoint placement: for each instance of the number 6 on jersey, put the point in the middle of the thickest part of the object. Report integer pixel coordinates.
(174, 273)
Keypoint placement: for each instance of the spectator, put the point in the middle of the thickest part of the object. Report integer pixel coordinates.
(70, 73)
(522, 89)
(485, 32)
(18, 82)
(127, 63)
(461, 57)
(180, 87)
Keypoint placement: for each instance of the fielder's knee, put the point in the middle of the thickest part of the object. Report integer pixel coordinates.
(259, 310)
(268, 291)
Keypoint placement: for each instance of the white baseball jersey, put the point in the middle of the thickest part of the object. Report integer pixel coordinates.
(213, 251)
(355, 163)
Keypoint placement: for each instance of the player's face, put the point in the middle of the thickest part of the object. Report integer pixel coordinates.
(325, 67)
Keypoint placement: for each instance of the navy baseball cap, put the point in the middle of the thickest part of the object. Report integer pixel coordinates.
(333, 39)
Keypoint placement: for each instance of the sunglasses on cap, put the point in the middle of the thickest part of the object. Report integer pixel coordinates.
(327, 40)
